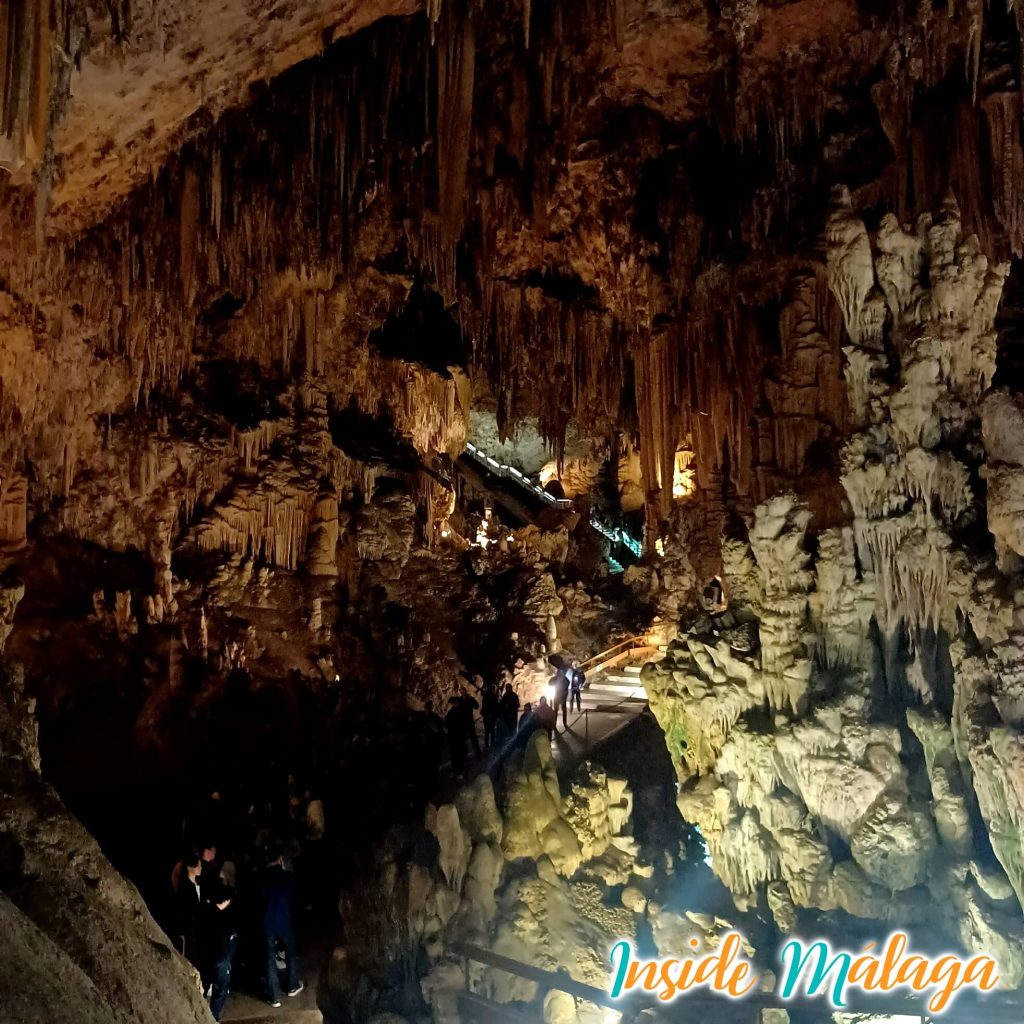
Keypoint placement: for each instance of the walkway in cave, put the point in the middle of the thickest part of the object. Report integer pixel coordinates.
(524, 502)
(244, 1009)
(610, 703)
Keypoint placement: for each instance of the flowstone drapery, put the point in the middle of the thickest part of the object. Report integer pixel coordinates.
(843, 761)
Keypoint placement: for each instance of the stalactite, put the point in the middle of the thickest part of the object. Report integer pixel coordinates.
(1003, 112)
(26, 29)
(188, 226)
(456, 62)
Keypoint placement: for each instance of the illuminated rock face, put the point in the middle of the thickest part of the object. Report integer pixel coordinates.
(802, 759)
(532, 880)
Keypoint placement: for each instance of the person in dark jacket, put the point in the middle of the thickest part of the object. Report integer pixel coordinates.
(576, 680)
(277, 899)
(189, 904)
(508, 713)
(219, 941)
(489, 712)
(559, 686)
(460, 724)
(528, 725)
(547, 717)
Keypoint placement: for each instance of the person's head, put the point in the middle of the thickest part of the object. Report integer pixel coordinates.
(508, 688)
(209, 853)
(193, 865)
(528, 707)
(575, 664)
(543, 702)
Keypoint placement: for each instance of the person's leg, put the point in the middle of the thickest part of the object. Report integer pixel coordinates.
(222, 981)
(273, 982)
(294, 971)
(565, 713)
(475, 740)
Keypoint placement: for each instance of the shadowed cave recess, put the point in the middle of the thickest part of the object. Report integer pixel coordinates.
(361, 356)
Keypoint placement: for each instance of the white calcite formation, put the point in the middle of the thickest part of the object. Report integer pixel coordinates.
(850, 757)
(551, 879)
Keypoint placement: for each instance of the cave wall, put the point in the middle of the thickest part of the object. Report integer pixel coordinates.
(880, 779)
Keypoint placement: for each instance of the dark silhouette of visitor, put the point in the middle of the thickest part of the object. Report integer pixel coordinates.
(560, 685)
(547, 717)
(460, 724)
(276, 892)
(219, 941)
(576, 680)
(528, 725)
(508, 712)
(489, 712)
(189, 904)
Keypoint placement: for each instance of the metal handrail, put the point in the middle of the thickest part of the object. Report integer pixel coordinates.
(692, 1005)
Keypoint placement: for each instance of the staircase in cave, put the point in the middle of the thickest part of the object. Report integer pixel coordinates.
(619, 687)
(612, 698)
(524, 501)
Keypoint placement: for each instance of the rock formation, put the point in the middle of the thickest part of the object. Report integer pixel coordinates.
(841, 762)
(545, 878)
(352, 351)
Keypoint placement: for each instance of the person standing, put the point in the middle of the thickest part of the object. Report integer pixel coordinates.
(560, 699)
(508, 713)
(189, 906)
(546, 717)
(460, 723)
(527, 726)
(220, 940)
(576, 680)
(278, 927)
(489, 712)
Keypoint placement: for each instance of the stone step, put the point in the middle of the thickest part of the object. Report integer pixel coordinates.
(612, 692)
(618, 681)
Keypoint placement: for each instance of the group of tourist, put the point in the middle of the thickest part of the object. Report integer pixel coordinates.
(504, 724)
(244, 867)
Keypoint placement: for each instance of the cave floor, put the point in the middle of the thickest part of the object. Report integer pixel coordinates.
(245, 1009)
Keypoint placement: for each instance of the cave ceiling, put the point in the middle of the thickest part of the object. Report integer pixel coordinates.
(631, 192)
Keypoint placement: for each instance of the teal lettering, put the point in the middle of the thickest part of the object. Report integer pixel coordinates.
(798, 962)
(624, 951)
